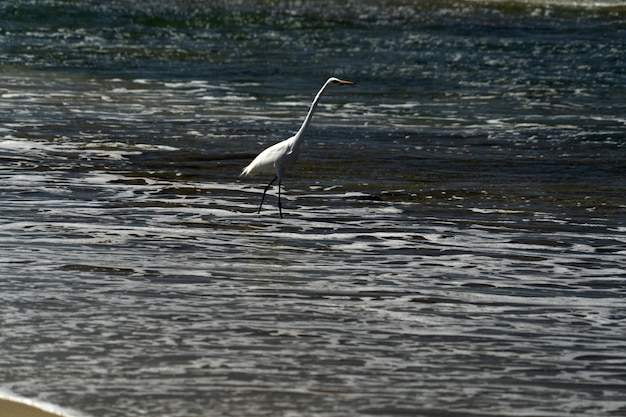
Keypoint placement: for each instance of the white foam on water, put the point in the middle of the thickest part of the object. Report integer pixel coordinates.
(348, 273)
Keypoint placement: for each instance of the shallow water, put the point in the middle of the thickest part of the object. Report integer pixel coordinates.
(454, 232)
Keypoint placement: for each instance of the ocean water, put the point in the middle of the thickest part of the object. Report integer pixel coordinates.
(454, 233)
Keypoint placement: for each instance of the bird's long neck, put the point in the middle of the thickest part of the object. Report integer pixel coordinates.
(299, 135)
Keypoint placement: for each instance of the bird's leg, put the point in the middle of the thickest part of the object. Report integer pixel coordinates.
(267, 187)
(280, 208)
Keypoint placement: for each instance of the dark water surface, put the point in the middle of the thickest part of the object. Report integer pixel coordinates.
(454, 240)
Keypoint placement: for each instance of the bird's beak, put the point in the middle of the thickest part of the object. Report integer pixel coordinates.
(344, 82)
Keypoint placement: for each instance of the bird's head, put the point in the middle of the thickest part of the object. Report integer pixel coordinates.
(341, 82)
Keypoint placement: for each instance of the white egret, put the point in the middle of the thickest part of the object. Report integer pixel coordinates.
(282, 155)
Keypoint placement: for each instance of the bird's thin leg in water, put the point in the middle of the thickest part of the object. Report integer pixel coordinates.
(280, 208)
(267, 187)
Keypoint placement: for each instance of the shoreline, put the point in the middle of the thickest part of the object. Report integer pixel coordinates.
(16, 408)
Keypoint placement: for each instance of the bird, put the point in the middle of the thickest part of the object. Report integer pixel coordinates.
(283, 155)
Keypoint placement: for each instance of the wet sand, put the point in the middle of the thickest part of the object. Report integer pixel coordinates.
(9, 408)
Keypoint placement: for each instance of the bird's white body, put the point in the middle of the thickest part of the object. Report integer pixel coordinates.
(283, 155)
(275, 159)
